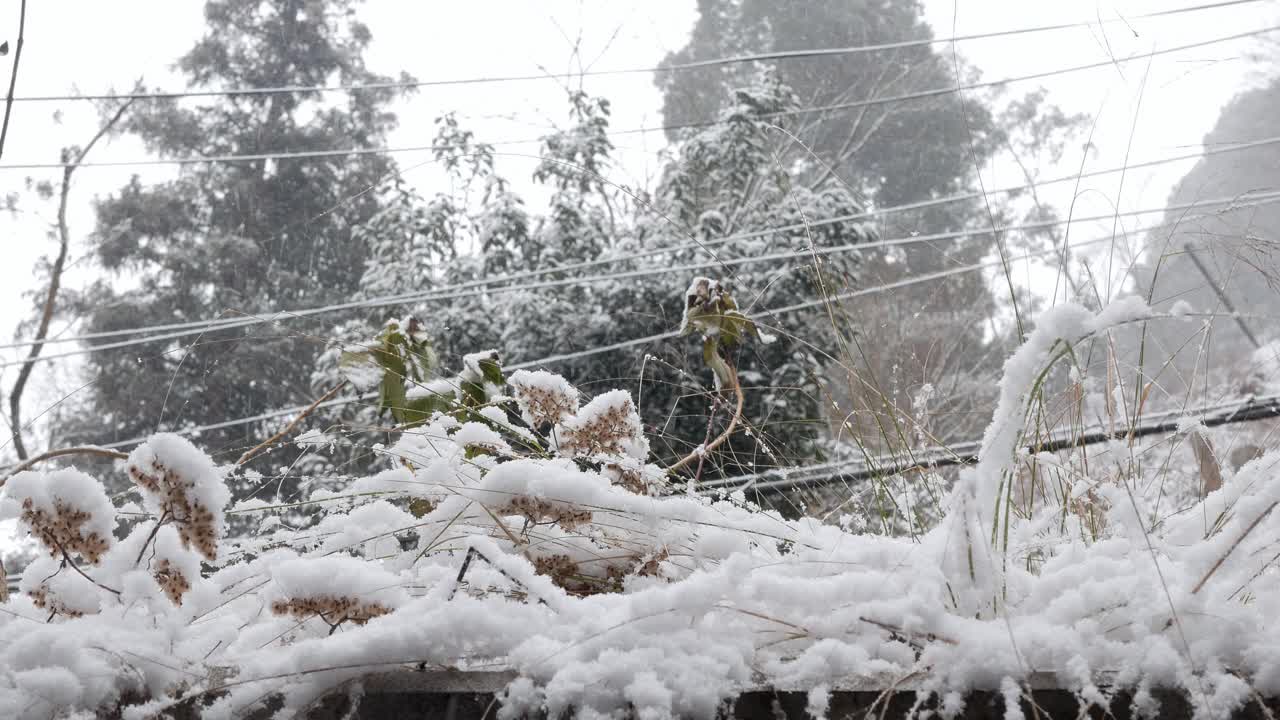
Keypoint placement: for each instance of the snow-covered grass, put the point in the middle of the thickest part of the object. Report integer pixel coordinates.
(530, 533)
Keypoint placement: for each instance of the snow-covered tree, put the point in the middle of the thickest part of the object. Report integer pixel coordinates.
(230, 240)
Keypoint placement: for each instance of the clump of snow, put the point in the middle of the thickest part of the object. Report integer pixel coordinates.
(608, 425)
(66, 510)
(335, 589)
(180, 483)
(314, 439)
(480, 436)
(362, 375)
(65, 594)
(701, 294)
(609, 599)
(1265, 367)
(471, 365)
(439, 387)
(544, 398)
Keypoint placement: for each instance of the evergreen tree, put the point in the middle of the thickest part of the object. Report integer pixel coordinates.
(243, 238)
(933, 337)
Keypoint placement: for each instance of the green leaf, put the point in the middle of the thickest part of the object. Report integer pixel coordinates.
(711, 356)
(419, 507)
(491, 369)
(473, 394)
(391, 396)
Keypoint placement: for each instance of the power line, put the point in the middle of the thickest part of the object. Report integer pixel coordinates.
(966, 453)
(467, 290)
(634, 342)
(675, 67)
(1249, 410)
(923, 457)
(923, 94)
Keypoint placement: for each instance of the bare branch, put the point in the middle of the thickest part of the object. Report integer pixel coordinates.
(13, 76)
(84, 450)
(733, 423)
(55, 279)
(252, 452)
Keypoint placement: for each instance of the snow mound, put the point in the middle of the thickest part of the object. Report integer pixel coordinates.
(66, 510)
(181, 483)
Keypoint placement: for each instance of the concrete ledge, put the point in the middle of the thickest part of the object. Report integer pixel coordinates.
(461, 695)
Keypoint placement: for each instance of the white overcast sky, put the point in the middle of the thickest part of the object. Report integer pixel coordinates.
(91, 46)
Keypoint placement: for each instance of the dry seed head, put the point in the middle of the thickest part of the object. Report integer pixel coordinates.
(66, 510)
(544, 398)
(568, 575)
(196, 524)
(633, 478)
(332, 609)
(64, 529)
(537, 510)
(608, 425)
(171, 580)
(651, 565)
(44, 598)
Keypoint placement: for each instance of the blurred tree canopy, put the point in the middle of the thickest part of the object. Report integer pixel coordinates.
(260, 236)
(255, 236)
(939, 336)
(1235, 245)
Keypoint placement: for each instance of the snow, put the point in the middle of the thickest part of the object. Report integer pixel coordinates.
(479, 435)
(701, 293)
(180, 481)
(608, 425)
(335, 576)
(435, 388)
(1265, 365)
(471, 370)
(64, 509)
(314, 439)
(543, 397)
(606, 598)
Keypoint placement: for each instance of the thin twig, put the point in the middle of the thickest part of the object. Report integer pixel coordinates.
(164, 518)
(733, 424)
(252, 452)
(13, 76)
(55, 274)
(706, 438)
(462, 571)
(66, 559)
(907, 635)
(1234, 545)
(61, 452)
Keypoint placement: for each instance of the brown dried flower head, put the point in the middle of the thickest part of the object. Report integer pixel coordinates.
(545, 399)
(608, 425)
(333, 609)
(632, 478)
(566, 574)
(44, 598)
(537, 510)
(63, 529)
(172, 581)
(651, 565)
(195, 522)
